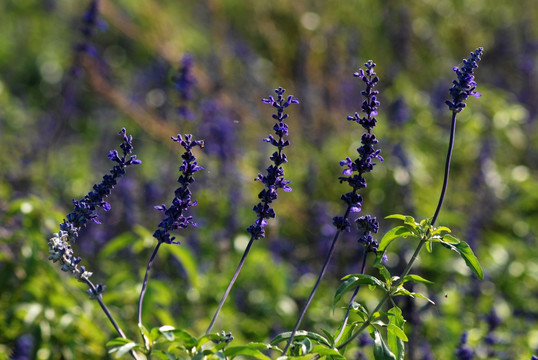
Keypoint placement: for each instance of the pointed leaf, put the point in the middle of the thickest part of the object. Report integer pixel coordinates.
(328, 352)
(125, 349)
(252, 350)
(450, 239)
(381, 350)
(415, 278)
(429, 246)
(467, 254)
(396, 216)
(470, 259)
(394, 233)
(119, 341)
(301, 334)
(352, 281)
(384, 272)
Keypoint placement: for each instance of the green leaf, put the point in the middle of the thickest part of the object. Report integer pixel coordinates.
(122, 350)
(301, 334)
(384, 272)
(352, 281)
(396, 216)
(119, 341)
(185, 338)
(328, 352)
(429, 246)
(419, 295)
(415, 278)
(440, 229)
(329, 336)
(467, 254)
(381, 350)
(403, 291)
(392, 328)
(394, 233)
(252, 349)
(451, 239)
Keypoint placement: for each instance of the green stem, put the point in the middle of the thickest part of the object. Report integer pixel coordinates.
(321, 274)
(107, 313)
(346, 318)
(232, 282)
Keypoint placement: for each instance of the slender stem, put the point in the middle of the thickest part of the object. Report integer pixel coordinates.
(321, 274)
(145, 283)
(232, 282)
(352, 299)
(108, 313)
(366, 323)
(447, 167)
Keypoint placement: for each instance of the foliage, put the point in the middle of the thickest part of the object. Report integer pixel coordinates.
(71, 77)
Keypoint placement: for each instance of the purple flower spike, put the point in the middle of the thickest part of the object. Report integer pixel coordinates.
(465, 85)
(174, 215)
(274, 179)
(85, 208)
(354, 169)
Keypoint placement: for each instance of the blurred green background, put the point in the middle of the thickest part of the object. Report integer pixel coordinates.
(60, 110)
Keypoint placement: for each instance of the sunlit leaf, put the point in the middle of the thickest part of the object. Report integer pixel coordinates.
(301, 334)
(394, 233)
(415, 278)
(329, 352)
(252, 350)
(467, 254)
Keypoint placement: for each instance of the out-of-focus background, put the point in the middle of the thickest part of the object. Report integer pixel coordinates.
(70, 81)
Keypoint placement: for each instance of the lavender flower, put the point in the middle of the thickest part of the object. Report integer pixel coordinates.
(367, 225)
(85, 207)
(365, 162)
(59, 245)
(174, 215)
(465, 85)
(274, 179)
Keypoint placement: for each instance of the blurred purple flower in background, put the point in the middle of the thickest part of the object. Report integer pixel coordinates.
(184, 82)
(463, 352)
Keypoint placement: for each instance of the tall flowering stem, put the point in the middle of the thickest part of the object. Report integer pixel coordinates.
(273, 180)
(60, 249)
(354, 171)
(463, 87)
(174, 216)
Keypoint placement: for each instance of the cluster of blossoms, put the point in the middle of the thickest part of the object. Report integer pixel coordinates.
(355, 169)
(59, 245)
(275, 173)
(174, 215)
(465, 85)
